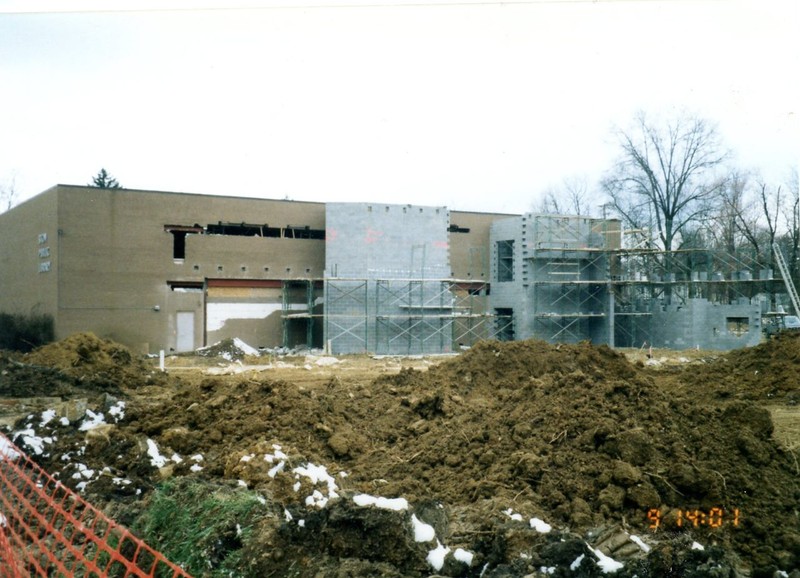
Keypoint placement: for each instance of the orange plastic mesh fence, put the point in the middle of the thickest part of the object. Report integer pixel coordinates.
(48, 530)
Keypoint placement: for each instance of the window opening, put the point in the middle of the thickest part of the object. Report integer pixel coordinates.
(505, 261)
(738, 326)
(255, 230)
(186, 286)
(457, 229)
(179, 233)
(303, 232)
(504, 323)
(178, 244)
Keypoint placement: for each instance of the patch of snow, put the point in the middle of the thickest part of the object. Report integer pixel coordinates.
(317, 474)
(245, 348)
(48, 416)
(301, 523)
(156, 459)
(92, 420)
(6, 451)
(422, 532)
(607, 564)
(33, 442)
(64, 421)
(327, 361)
(197, 458)
(696, 546)
(436, 556)
(639, 542)
(276, 469)
(510, 513)
(396, 504)
(317, 499)
(547, 569)
(118, 411)
(540, 526)
(463, 556)
(242, 483)
(196, 468)
(576, 563)
(287, 515)
(83, 472)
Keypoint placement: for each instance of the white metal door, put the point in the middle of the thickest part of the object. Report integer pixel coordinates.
(185, 327)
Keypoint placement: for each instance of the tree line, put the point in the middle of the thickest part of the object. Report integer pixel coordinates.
(673, 189)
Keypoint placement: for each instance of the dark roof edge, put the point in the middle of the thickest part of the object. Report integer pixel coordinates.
(126, 189)
(62, 185)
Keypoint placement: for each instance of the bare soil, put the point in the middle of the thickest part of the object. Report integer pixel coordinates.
(585, 438)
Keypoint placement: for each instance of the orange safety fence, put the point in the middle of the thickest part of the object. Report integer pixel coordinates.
(48, 530)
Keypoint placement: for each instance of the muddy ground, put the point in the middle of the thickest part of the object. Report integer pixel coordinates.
(669, 463)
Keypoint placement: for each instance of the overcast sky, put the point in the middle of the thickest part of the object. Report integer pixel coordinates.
(475, 106)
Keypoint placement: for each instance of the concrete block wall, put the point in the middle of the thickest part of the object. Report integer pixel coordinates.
(510, 295)
(548, 249)
(383, 267)
(707, 325)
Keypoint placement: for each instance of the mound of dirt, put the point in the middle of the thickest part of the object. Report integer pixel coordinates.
(101, 364)
(571, 435)
(770, 370)
(18, 379)
(228, 349)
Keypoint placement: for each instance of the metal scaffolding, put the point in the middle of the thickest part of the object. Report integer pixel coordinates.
(406, 316)
(583, 293)
(579, 282)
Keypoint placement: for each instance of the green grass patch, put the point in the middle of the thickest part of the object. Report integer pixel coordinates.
(201, 525)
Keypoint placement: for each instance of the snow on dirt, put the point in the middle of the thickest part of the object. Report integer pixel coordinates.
(511, 459)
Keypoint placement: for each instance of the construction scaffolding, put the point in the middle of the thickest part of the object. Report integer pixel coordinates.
(299, 299)
(570, 279)
(406, 316)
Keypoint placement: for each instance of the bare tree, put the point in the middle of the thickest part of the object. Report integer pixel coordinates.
(666, 177)
(103, 180)
(572, 197)
(791, 212)
(8, 195)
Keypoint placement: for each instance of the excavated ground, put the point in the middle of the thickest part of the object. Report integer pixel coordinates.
(587, 439)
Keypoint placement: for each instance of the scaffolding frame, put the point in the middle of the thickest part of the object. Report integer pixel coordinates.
(298, 308)
(409, 316)
(633, 281)
(581, 282)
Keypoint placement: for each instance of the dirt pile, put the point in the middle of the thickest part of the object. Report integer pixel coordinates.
(573, 436)
(94, 362)
(228, 349)
(18, 379)
(769, 371)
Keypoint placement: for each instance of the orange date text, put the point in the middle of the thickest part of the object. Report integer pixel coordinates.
(694, 518)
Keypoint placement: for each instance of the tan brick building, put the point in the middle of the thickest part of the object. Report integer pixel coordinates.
(176, 271)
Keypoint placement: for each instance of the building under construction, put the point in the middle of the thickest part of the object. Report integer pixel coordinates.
(566, 278)
(175, 271)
